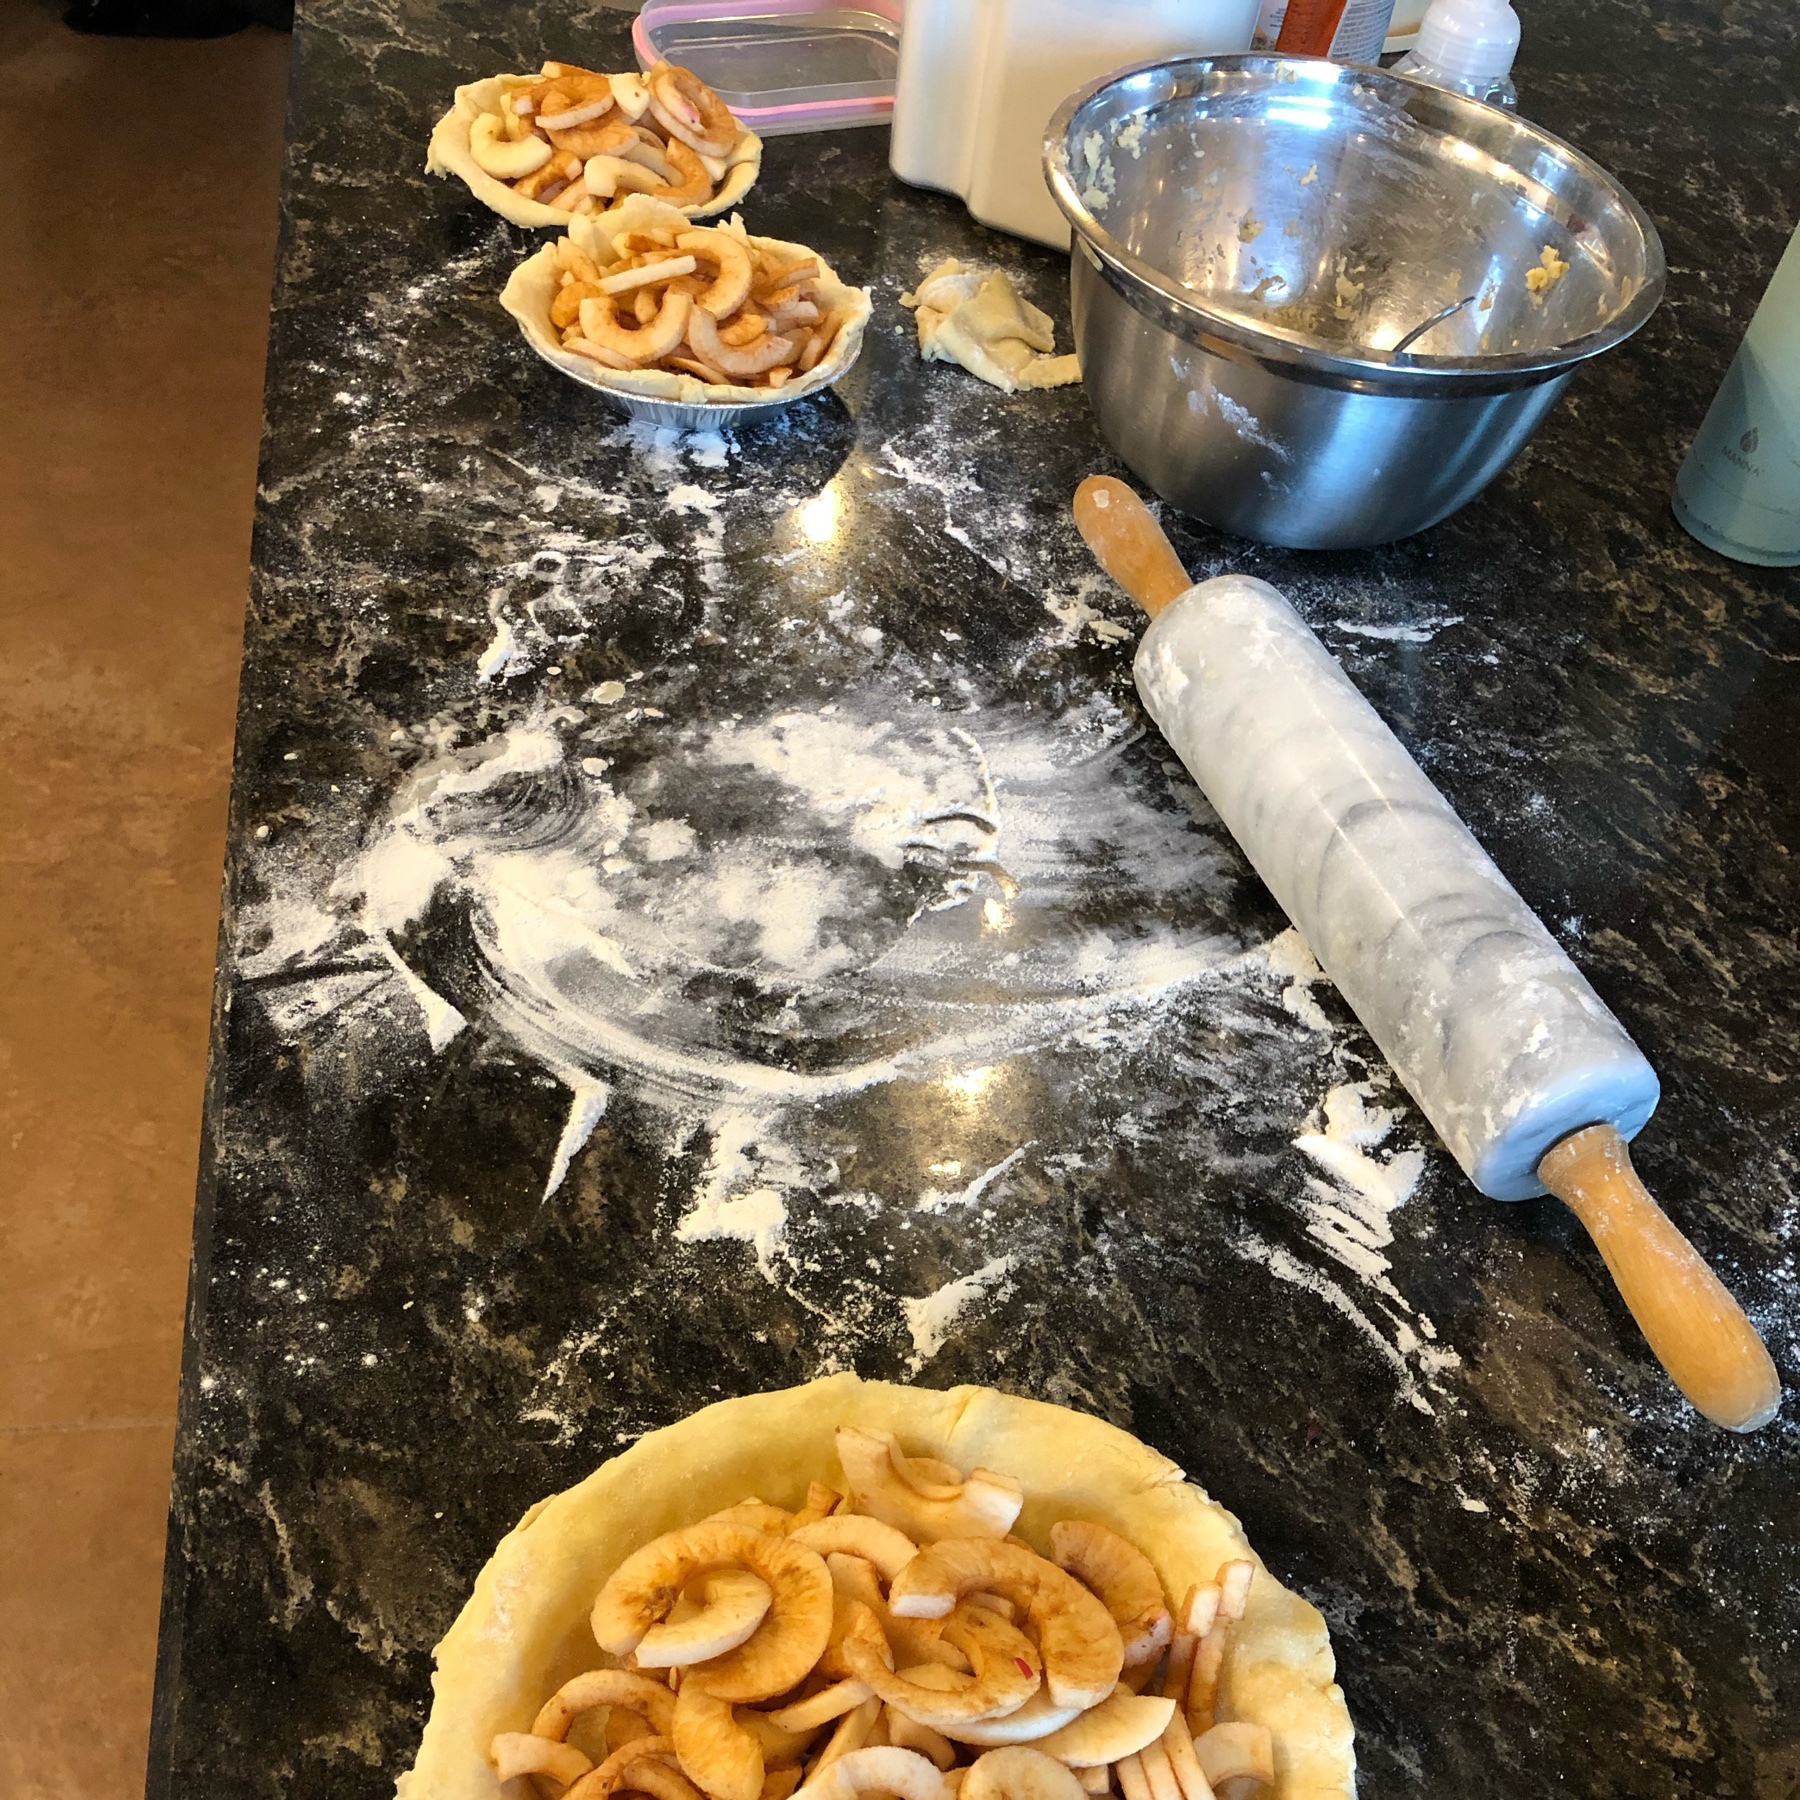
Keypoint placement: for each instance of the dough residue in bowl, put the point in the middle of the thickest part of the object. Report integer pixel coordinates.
(1546, 272)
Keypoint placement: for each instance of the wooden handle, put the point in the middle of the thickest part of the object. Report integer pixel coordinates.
(1699, 1333)
(1128, 544)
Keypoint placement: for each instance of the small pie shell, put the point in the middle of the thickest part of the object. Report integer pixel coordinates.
(449, 154)
(525, 1628)
(527, 296)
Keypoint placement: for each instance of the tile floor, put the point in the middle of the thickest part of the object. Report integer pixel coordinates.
(137, 233)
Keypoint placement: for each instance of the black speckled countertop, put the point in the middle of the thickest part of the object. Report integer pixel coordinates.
(704, 912)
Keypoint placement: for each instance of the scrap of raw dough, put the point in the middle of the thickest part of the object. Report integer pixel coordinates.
(1550, 268)
(982, 322)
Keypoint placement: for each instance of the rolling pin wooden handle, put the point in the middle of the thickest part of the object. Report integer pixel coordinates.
(1698, 1331)
(1128, 544)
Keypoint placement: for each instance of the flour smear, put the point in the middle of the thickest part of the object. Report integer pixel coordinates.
(746, 915)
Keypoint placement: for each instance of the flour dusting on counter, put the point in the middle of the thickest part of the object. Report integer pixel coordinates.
(742, 1194)
(728, 922)
(931, 1318)
(1350, 1217)
(1295, 966)
(937, 1200)
(747, 917)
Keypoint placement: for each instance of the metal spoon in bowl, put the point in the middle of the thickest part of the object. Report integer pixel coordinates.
(1437, 318)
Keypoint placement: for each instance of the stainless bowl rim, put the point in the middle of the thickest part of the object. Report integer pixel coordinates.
(1180, 309)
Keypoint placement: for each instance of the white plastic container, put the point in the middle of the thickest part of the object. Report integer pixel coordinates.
(1739, 490)
(979, 80)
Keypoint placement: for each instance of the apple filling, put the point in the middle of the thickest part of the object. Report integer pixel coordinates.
(897, 1639)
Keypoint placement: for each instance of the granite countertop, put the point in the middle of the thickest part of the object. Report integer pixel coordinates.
(937, 1031)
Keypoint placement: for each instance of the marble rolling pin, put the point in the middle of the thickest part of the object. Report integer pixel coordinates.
(1532, 1084)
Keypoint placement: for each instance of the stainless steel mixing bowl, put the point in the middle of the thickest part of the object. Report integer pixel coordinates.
(1255, 235)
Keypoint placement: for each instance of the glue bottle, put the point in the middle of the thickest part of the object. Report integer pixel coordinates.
(1467, 46)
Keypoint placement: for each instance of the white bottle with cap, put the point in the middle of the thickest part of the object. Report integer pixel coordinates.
(1467, 46)
(1739, 490)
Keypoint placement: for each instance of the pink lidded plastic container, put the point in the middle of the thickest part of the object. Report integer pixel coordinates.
(782, 66)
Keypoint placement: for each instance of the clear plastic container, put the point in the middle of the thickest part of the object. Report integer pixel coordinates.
(1467, 46)
(783, 66)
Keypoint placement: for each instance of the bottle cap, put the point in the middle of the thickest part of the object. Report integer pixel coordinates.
(1473, 39)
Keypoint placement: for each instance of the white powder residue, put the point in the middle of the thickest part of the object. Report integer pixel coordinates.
(1249, 427)
(707, 549)
(932, 1317)
(788, 908)
(708, 449)
(1421, 633)
(278, 938)
(939, 479)
(503, 647)
(595, 916)
(295, 1010)
(742, 1195)
(936, 1200)
(688, 498)
(891, 797)
(884, 890)
(1350, 1216)
(656, 447)
(1350, 1119)
(663, 840)
(396, 877)
(741, 920)
(1285, 1266)
(288, 930)
(442, 1020)
(757, 1218)
(960, 491)
(1292, 961)
(1076, 612)
(587, 1103)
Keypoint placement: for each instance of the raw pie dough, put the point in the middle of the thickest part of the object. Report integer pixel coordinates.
(533, 286)
(525, 1629)
(449, 154)
(986, 325)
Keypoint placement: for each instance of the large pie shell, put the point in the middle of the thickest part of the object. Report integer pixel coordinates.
(525, 1628)
(449, 154)
(527, 296)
